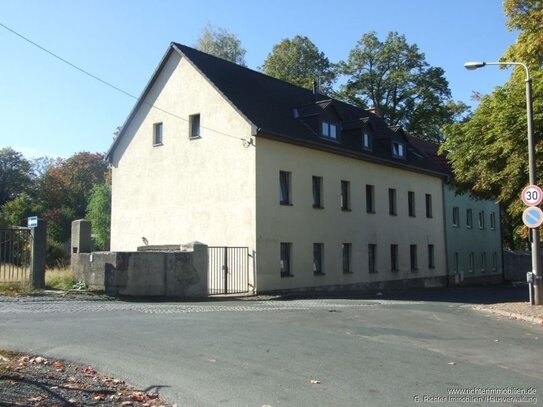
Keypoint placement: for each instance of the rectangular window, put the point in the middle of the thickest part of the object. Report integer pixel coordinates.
(286, 249)
(372, 258)
(431, 258)
(469, 218)
(429, 213)
(317, 192)
(455, 216)
(456, 263)
(284, 188)
(347, 252)
(483, 262)
(370, 199)
(392, 210)
(157, 134)
(493, 220)
(398, 149)
(411, 203)
(318, 249)
(345, 195)
(471, 262)
(494, 261)
(413, 257)
(394, 258)
(330, 130)
(366, 140)
(194, 126)
(481, 219)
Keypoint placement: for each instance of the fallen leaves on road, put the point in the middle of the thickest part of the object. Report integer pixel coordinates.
(23, 379)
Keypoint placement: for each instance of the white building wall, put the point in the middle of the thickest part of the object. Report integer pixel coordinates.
(302, 225)
(184, 190)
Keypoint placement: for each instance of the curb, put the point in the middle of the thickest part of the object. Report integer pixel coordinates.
(512, 315)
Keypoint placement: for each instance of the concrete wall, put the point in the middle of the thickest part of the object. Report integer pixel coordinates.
(164, 274)
(185, 189)
(463, 240)
(303, 225)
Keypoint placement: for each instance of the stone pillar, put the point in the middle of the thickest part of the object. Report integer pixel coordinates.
(81, 236)
(37, 255)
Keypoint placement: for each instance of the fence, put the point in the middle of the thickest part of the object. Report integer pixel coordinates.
(15, 247)
(228, 271)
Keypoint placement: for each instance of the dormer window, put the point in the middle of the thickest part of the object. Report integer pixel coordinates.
(329, 130)
(398, 149)
(366, 139)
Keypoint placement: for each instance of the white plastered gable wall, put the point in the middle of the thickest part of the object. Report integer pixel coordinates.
(184, 190)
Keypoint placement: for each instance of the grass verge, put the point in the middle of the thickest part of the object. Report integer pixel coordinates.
(59, 279)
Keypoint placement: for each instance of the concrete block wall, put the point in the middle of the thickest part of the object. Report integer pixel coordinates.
(178, 274)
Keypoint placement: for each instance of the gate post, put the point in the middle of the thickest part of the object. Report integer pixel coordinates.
(37, 255)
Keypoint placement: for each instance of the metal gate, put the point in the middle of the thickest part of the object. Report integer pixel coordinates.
(228, 271)
(14, 255)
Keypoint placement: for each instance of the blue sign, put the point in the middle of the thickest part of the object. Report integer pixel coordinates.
(532, 217)
(32, 222)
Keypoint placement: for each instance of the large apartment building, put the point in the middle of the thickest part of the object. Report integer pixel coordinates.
(323, 193)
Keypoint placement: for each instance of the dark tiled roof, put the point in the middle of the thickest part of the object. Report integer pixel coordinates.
(283, 111)
(431, 150)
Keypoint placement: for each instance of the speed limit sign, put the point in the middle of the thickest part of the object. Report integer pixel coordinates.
(532, 195)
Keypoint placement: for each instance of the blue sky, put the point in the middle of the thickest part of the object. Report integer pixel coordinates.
(49, 108)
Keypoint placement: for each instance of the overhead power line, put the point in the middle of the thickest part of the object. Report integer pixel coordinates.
(109, 84)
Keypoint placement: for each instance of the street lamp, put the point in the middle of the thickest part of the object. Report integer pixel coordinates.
(536, 259)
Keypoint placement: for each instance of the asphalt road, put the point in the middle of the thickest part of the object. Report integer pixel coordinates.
(364, 352)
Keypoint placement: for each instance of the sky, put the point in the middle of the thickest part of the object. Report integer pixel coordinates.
(49, 108)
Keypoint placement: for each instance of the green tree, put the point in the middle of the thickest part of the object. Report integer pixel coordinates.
(221, 43)
(99, 213)
(300, 62)
(489, 151)
(16, 211)
(394, 77)
(15, 174)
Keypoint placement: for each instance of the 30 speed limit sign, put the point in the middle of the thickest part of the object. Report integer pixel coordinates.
(532, 195)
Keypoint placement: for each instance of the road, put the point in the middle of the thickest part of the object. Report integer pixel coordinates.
(363, 352)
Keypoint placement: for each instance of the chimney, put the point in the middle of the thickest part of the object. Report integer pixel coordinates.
(375, 111)
(315, 90)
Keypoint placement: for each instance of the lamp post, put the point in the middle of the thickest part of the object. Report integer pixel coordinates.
(536, 250)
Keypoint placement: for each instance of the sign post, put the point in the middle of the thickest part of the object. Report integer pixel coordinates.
(532, 217)
(532, 195)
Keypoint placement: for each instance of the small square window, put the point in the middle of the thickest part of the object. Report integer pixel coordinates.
(194, 126)
(157, 134)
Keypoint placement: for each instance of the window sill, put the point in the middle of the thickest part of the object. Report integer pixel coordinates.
(285, 204)
(318, 207)
(319, 274)
(412, 216)
(371, 212)
(414, 270)
(373, 272)
(393, 214)
(194, 137)
(158, 144)
(346, 209)
(348, 272)
(394, 270)
(286, 275)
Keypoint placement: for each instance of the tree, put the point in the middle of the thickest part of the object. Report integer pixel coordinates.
(394, 77)
(221, 43)
(299, 61)
(99, 213)
(15, 174)
(489, 151)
